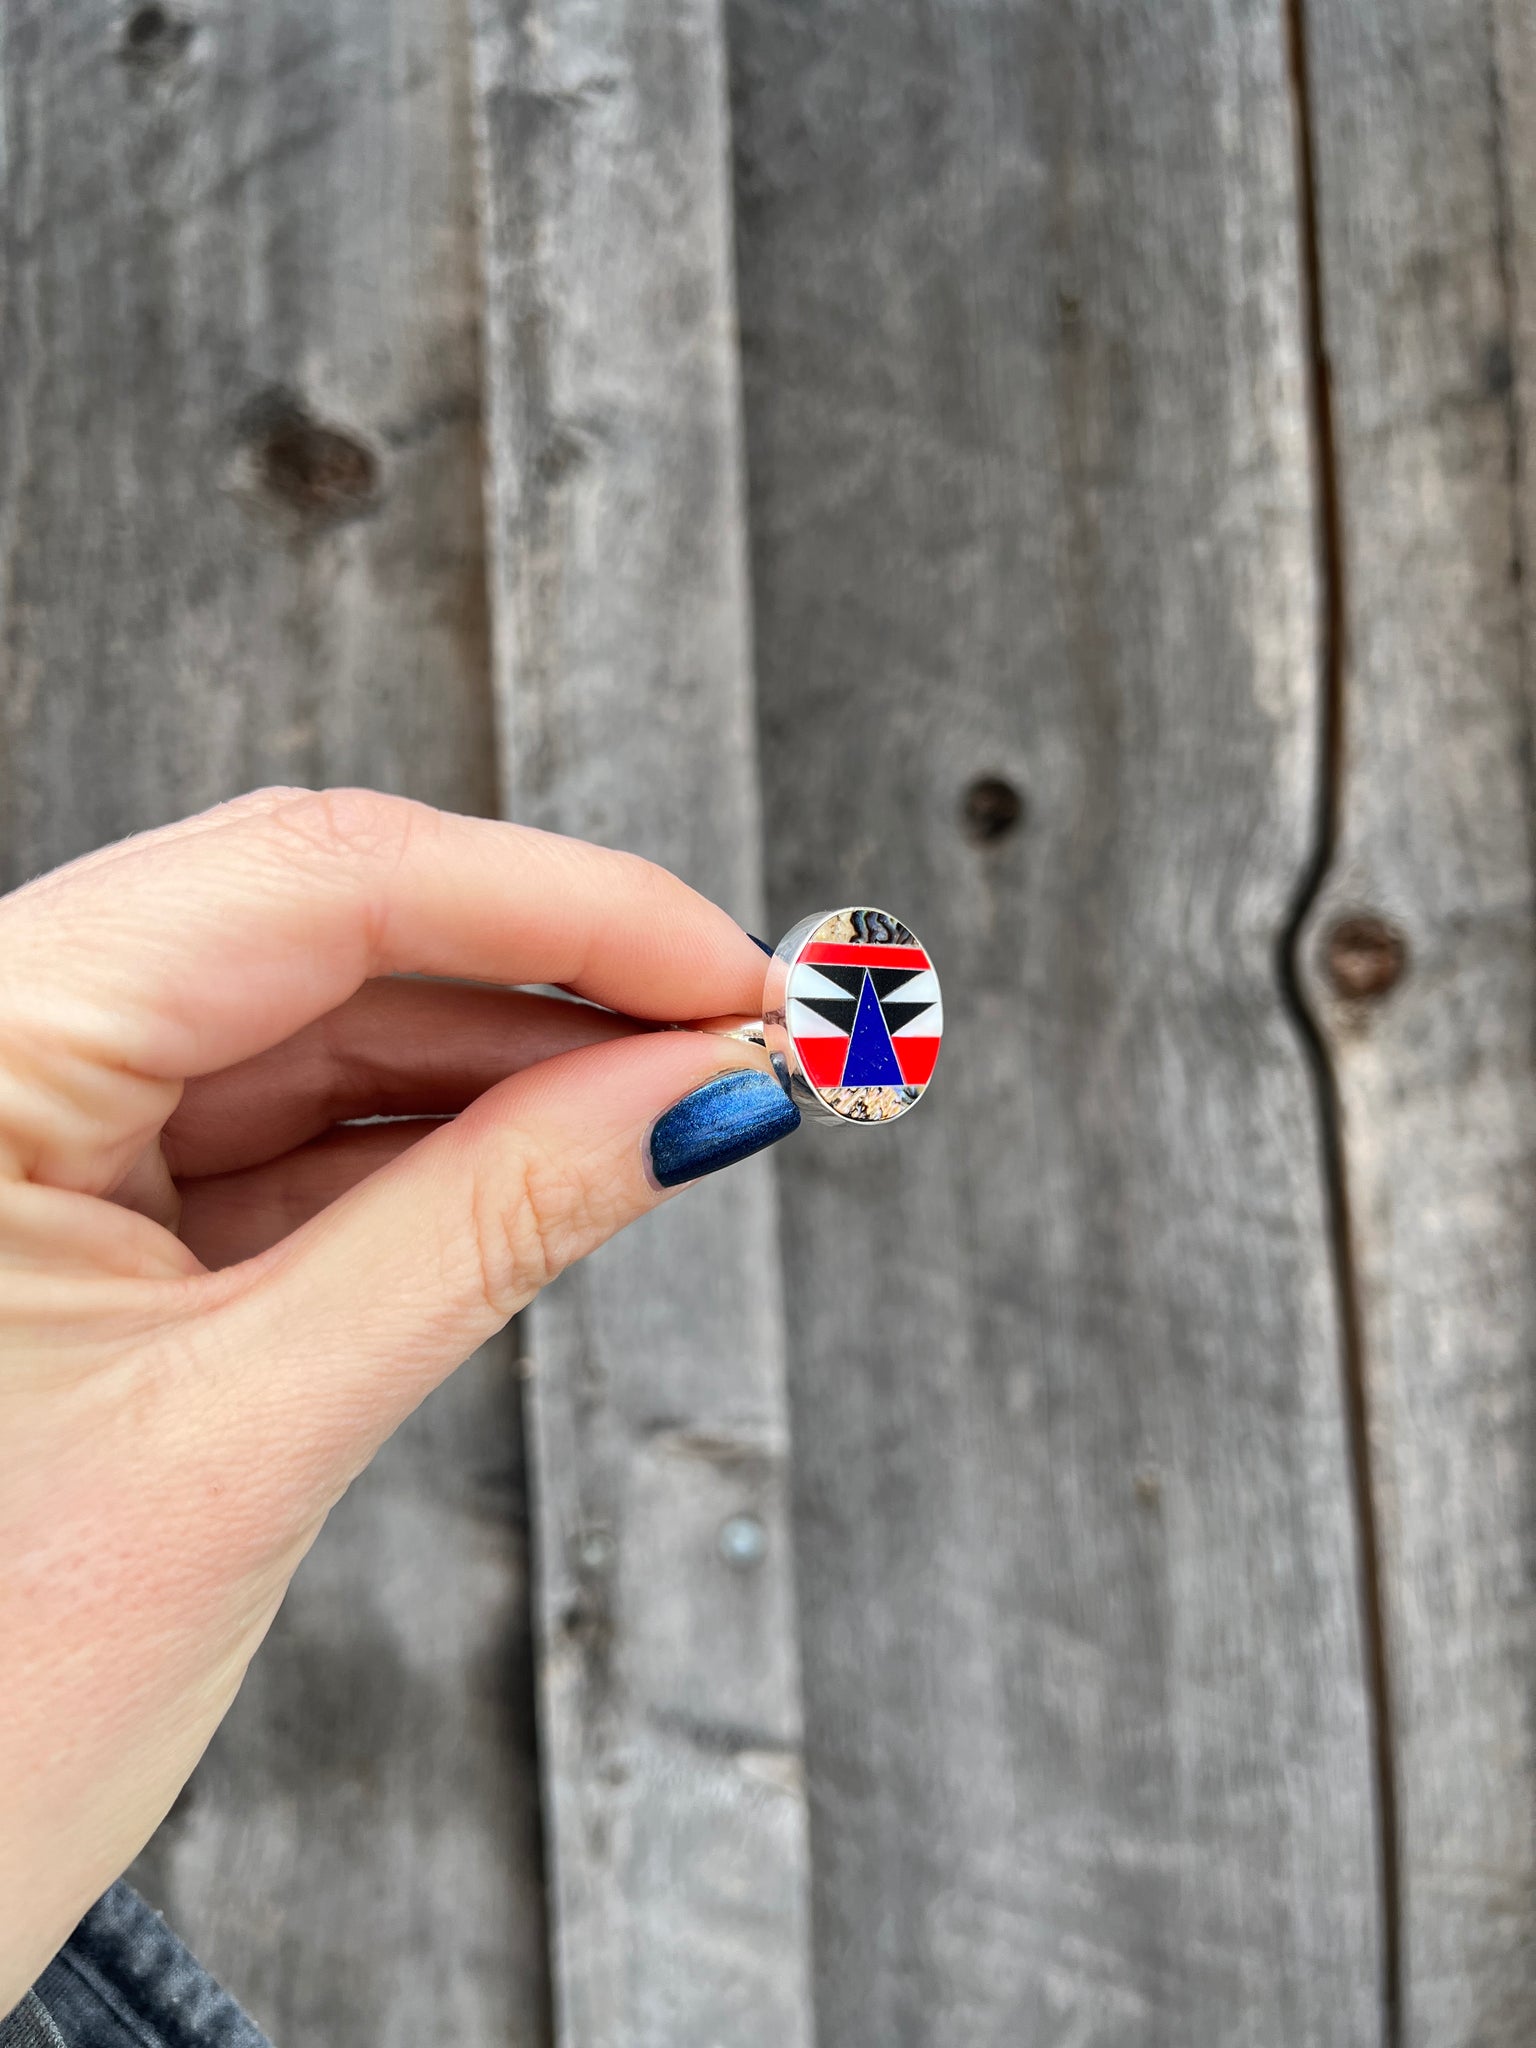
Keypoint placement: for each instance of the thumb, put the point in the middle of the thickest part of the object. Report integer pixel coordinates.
(330, 1339)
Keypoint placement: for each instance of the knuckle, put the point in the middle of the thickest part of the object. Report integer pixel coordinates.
(529, 1220)
(347, 824)
(258, 803)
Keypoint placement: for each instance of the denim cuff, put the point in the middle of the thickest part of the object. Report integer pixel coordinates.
(30, 2027)
(123, 1980)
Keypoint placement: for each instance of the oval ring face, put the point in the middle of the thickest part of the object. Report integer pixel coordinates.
(863, 1014)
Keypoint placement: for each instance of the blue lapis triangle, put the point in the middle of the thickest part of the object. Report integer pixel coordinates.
(871, 1061)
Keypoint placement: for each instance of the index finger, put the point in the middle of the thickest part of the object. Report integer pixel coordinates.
(188, 950)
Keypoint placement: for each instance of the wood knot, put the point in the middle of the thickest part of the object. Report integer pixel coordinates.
(319, 470)
(992, 809)
(152, 34)
(1365, 956)
(321, 473)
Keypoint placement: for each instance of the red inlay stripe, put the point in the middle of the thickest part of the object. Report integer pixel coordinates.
(917, 1058)
(822, 1059)
(827, 955)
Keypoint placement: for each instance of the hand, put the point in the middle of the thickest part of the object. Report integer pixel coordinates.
(218, 1296)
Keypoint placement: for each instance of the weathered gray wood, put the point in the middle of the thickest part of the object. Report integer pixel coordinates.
(675, 1804)
(221, 232)
(1424, 125)
(1089, 1753)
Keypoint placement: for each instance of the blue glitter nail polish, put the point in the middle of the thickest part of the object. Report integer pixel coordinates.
(729, 1118)
(761, 942)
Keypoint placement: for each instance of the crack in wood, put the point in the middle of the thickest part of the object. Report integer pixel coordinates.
(1331, 1135)
(1508, 387)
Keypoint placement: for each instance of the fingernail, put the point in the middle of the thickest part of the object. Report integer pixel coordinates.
(761, 942)
(729, 1118)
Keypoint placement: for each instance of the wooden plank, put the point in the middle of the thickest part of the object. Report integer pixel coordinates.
(1424, 124)
(241, 539)
(670, 1697)
(1026, 400)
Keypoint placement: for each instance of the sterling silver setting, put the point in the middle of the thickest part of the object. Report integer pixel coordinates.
(852, 1016)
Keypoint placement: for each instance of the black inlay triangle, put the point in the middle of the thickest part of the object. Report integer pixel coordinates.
(897, 1014)
(850, 978)
(888, 979)
(834, 1008)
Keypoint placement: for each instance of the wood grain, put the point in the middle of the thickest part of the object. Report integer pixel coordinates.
(1089, 1750)
(1426, 180)
(674, 1793)
(241, 540)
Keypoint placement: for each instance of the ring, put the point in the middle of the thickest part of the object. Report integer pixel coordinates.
(852, 1016)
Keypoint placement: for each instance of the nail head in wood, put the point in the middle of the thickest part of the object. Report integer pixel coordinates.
(743, 1542)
